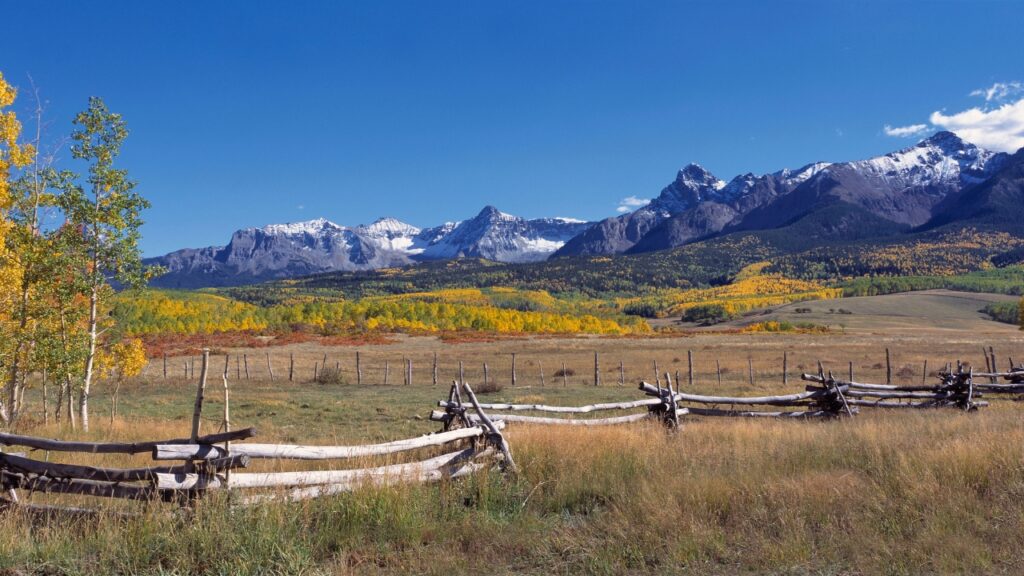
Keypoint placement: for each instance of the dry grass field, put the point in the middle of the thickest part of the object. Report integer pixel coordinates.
(882, 493)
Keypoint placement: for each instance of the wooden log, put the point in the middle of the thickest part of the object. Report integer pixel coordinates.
(754, 414)
(868, 386)
(456, 469)
(308, 477)
(116, 447)
(509, 463)
(299, 452)
(80, 487)
(781, 400)
(918, 405)
(569, 421)
(561, 409)
(853, 392)
(689, 362)
(197, 410)
(53, 470)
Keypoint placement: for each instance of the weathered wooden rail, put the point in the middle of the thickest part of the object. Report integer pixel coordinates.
(954, 390)
(826, 401)
(456, 413)
(209, 465)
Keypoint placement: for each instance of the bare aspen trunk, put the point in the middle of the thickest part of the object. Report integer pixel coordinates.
(90, 358)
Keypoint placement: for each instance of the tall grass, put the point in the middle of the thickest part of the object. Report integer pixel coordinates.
(926, 492)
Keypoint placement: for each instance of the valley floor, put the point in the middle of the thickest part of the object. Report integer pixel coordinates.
(931, 492)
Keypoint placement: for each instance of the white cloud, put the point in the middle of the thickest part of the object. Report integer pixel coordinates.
(301, 207)
(905, 131)
(999, 129)
(632, 203)
(999, 91)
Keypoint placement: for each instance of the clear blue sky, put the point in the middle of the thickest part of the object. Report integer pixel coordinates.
(246, 113)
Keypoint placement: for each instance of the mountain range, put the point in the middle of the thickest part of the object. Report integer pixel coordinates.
(940, 181)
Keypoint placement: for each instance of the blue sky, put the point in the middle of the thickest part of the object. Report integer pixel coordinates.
(247, 113)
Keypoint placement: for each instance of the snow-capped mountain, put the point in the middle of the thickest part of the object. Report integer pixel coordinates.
(906, 188)
(940, 180)
(302, 248)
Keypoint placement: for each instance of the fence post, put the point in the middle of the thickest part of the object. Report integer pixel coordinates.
(565, 377)
(785, 367)
(485, 373)
(888, 367)
(245, 360)
(750, 369)
(718, 369)
(924, 372)
(689, 360)
(541, 367)
(197, 410)
(387, 370)
(597, 370)
(433, 371)
(622, 373)
(165, 365)
(359, 369)
(657, 375)
(462, 374)
(291, 366)
(513, 368)
(270, 368)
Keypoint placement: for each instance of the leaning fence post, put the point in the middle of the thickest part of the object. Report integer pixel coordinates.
(200, 390)
(509, 464)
